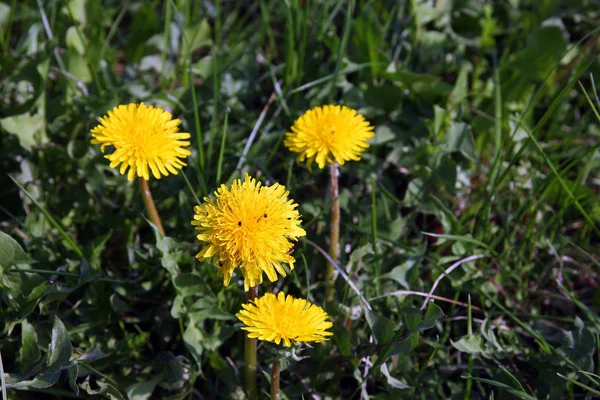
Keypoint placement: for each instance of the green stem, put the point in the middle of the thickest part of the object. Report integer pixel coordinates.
(275, 380)
(377, 273)
(250, 356)
(334, 238)
(150, 206)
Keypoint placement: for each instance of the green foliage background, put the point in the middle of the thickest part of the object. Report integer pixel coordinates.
(484, 164)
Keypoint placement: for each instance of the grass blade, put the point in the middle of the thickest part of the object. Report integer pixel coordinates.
(222, 150)
(342, 49)
(52, 221)
(573, 381)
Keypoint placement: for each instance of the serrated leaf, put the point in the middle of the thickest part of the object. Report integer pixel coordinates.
(29, 353)
(28, 128)
(60, 348)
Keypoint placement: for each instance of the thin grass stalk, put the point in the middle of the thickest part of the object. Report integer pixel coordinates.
(275, 380)
(342, 48)
(166, 46)
(250, 356)
(334, 235)
(470, 362)
(150, 206)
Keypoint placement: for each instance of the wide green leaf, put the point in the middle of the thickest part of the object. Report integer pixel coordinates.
(60, 348)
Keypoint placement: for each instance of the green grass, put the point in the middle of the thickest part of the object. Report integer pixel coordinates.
(479, 192)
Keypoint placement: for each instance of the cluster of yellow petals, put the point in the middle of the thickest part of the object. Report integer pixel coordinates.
(145, 139)
(249, 226)
(329, 134)
(284, 318)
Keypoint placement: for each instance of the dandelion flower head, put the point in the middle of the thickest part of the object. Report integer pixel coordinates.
(248, 226)
(276, 318)
(329, 134)
(144, 138)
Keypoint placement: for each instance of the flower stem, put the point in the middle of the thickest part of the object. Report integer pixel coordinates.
(250, 356)
(275, 380)
(334, 239)
(150, 207)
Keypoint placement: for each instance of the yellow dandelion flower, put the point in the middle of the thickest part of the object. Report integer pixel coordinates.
(249, 226)
(276, 318)
(329, 133)
(143, 137)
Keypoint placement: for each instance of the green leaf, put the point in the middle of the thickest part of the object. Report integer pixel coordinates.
(471, 344)
(208, 308)
(543, 50)
(384, 133)
(94, 253)
(433, 314)
(382, 328)
(342, 339)
(41, 381)
(106, 389)
(142, 390)
(402, 273)
(193, 339)
(72, 372)
(171, 252)
(29, 353)
(32, 72)
(76, 9)
(459, 138)
(196, 36)
(393, 382)
(74, 40)
(191, 285)
(60, 348)
(11, 252)
(422, 87)
(4, 14)
(28, 128)
(92, 355)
